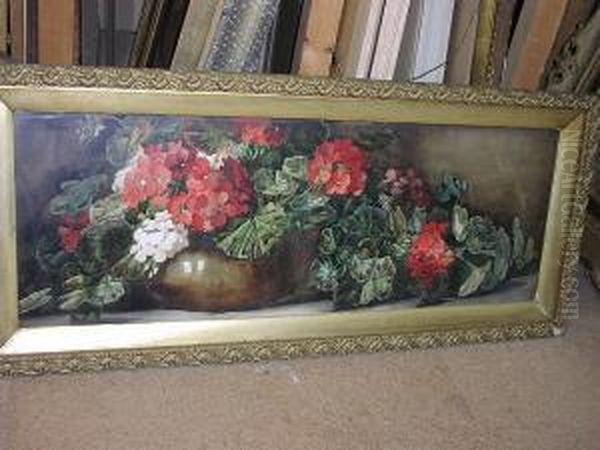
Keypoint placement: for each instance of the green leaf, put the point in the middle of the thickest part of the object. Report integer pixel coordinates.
(376, 275)
(326, 275)
(481, 236)
(502, 258)
(74, 282)
(518, 243)
(108, 291)
(376, 289)
(77, 195)
(274, 184)
(103, 244)
(255, 157)
(361, 269)
(309, 210)
(129, 269)
(400, 249)
(417, 220)
(384, 267)
(451, 189)
(474, 280)
(35, 301)
(285, 184)
(73, 300)
(123, 146)
(368, 293)
(107, 209)
(529, 254)
(49, 254)
(500, 262)
(211, 137)
(327, 244)
(263, 180)
(255, 236)
(380, 280)
(523, 247)
(295, 167)
(398, 222)
(386, 201)
(160, 130)
(460, 221)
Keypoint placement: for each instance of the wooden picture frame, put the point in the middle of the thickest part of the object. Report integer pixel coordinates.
(147, 30)
(569, 123)
(492, 38)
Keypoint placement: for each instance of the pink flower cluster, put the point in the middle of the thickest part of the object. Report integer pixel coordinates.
(181, 179)
(407, 186)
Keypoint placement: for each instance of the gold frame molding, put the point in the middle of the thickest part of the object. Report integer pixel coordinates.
(58, 89)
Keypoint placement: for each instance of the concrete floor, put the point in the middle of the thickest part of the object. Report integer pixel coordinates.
(541, 394)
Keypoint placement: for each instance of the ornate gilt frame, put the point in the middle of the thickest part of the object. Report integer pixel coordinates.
(142, 91)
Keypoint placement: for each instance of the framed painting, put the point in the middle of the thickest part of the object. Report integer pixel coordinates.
(155, 219)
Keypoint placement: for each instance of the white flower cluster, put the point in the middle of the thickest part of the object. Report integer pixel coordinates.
(157, 240)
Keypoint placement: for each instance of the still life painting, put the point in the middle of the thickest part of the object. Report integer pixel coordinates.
(128, 217)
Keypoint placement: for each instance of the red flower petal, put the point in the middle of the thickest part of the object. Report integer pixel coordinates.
(149, 178)
(260, 132)
(338, 167)
(214, 196)
(69, 238)
(429, 256)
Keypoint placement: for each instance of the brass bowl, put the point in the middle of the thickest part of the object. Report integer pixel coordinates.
(205, 279)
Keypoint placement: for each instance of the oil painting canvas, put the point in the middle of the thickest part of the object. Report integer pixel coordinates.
(138, 218)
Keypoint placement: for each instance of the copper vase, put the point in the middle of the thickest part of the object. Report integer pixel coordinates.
(205, 279)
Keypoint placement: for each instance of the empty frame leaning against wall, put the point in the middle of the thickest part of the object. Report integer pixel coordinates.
(157, 219)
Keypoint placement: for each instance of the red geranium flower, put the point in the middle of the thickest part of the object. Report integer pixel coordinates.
(199, 168)
(147, 180)
(179, 208)
(339, 168)
(213, 197)
(429, 256)
(155, 152)
(179, 159)
(260, 132)
(204, 198)
(70, 230)
(235, 172)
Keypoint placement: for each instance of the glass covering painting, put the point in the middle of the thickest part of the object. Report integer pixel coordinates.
(142, 218)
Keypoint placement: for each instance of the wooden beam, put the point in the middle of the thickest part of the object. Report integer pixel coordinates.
(58, 24)
(532, 43)
(317, 37)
